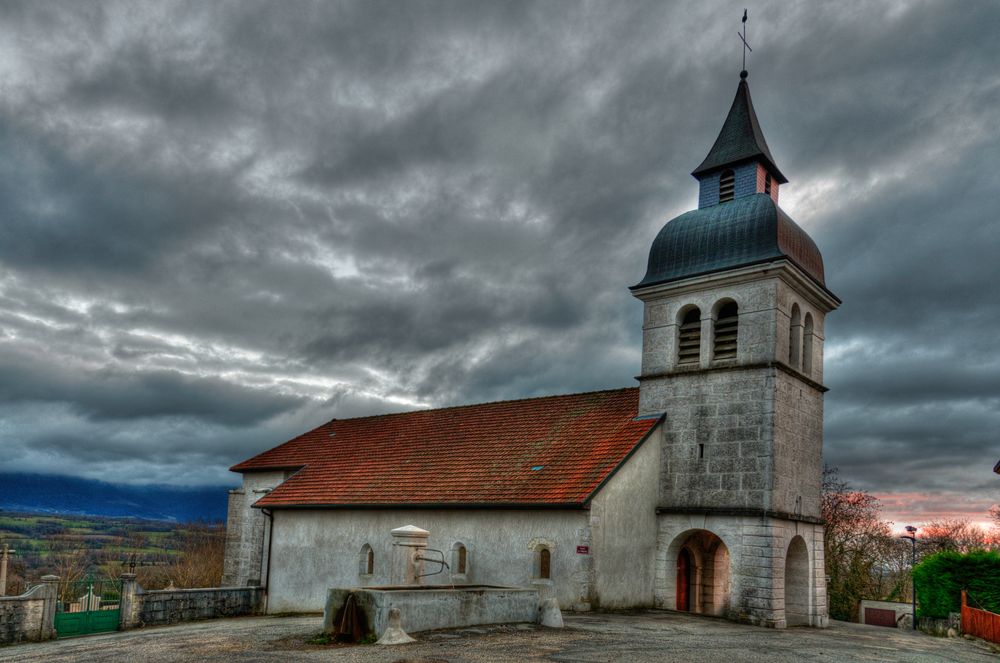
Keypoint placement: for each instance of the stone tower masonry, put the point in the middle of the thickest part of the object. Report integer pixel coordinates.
(734, 305)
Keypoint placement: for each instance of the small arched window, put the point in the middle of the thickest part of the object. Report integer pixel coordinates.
(544, 564)
(726, 331)
(794, 336)
(807, 344)
(459, 559)
(767, 184)
(367, 561)
(727, 186)
(689, 338)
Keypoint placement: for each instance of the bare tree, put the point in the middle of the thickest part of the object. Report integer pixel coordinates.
(956, 534)
(862, 556)
(70, 560)
(200, 561)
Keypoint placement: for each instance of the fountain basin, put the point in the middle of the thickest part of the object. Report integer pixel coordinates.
(428, 607)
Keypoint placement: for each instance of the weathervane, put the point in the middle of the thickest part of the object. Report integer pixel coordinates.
(746, 46)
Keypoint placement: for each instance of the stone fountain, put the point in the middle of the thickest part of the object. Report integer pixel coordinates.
(427, 607)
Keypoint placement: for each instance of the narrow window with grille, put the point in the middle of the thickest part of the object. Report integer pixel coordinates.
(689, 338)
(767, 184)
(727, 186)
(726, 330)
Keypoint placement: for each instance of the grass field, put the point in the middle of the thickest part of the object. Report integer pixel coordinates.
(70, 545)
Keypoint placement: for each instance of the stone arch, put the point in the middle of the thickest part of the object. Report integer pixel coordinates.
(797, 583)
(807, 344)
(795, 336)
(543, 559)
(708, 577)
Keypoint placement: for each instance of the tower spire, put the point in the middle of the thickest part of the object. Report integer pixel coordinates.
(740, 139)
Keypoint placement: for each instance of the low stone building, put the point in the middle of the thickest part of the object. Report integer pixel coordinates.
(699, 490)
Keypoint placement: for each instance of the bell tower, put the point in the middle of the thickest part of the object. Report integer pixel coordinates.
(734, 301)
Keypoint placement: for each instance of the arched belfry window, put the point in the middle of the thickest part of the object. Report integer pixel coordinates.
(807, 344)
(794, 336)
(727, 186)
(726, 331)
(689, 338)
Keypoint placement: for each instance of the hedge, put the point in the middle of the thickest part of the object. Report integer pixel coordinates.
(941, 577)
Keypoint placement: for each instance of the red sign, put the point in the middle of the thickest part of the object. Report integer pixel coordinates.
(583, 550)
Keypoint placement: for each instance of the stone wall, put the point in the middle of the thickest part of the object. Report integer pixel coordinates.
(247, 530)
(423, 609)
(717, 449)
(29, 616)
(185, 605)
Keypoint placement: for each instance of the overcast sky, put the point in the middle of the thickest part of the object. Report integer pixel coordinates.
(222, 224)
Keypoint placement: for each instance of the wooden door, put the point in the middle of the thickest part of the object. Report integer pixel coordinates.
(684, 567)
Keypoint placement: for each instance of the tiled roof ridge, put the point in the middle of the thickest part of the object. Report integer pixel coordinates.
(481, 404)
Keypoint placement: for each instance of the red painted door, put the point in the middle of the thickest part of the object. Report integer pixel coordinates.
(684, 580)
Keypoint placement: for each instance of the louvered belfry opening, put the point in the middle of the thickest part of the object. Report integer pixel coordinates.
(689, 341)
(727, 186)
(726, 331)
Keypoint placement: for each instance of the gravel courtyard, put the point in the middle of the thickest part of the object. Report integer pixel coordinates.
(642, 636)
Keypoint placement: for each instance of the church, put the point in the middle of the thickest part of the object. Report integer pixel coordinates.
(699, 490)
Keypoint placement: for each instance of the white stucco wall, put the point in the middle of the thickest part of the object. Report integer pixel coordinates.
(623, 531)
(314, 550)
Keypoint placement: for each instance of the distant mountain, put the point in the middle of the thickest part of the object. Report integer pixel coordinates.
(50, 493)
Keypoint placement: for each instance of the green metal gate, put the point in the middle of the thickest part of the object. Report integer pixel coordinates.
(88, 606)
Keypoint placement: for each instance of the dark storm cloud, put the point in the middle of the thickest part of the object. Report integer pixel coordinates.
(113, 394)
(225, 223)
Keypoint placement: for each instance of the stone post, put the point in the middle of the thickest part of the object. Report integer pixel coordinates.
(50, 597)
(128, 606)
(407, 544)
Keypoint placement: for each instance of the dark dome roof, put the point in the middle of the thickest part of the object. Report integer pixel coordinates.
(745, 231)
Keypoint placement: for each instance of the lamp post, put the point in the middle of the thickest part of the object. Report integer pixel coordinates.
(913, 562)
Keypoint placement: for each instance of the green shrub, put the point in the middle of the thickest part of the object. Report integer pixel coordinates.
(941, 577)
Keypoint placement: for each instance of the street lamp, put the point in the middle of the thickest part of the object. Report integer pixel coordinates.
(913, 562)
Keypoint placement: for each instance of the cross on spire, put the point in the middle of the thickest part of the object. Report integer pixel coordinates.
(746, 46)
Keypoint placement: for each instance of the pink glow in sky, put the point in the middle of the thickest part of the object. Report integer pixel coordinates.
(916, 508)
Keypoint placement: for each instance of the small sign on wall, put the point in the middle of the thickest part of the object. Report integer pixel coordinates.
(583, 550)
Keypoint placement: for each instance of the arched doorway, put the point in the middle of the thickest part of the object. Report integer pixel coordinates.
(797, 583)
(701, 583)
(684, 568)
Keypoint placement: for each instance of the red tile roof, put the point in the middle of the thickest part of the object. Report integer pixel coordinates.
(552, 451)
